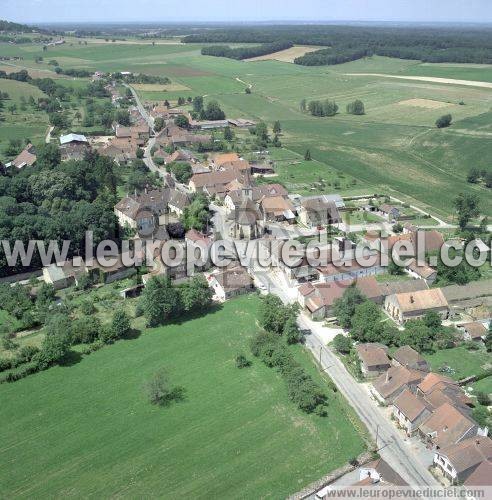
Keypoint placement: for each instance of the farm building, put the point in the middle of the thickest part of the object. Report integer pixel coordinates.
(373, 359)
(319, 211)
(26, 158)
(231, 282)
(447, 426)
(414, 305)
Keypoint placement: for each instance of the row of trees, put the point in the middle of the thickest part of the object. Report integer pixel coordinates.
(163, 301)
(271, 346)
(328, 57)
(61, 332)
(330, 108)
(245, 52)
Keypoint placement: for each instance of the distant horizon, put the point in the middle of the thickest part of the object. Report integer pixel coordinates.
(224, 11)
(268, 22)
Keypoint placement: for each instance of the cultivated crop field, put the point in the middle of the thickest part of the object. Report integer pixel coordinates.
(88, 430)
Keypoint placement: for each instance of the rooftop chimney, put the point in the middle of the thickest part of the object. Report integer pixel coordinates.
(412, 300)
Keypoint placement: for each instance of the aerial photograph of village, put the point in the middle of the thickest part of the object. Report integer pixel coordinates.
(245, 249)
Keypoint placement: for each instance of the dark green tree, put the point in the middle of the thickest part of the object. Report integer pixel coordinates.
(182, 122)
(344, 307)
(473, 175)
(342, 343)
(160, 301)
(160, 391)
(120, 324)
(57, 341)
(444, 121)
(196, 295)
(228, 134)
(356, 107)
(198, 103)
(467, 207)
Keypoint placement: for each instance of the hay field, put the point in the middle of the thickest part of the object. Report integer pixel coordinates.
(287, 55)
(158, 87)
(424, 103)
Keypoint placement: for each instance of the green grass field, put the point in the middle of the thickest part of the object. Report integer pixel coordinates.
(28, 124)
(394, 148)
(87, 429)
(463, 362)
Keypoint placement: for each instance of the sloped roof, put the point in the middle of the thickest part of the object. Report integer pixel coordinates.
(197, 237)
(327, 293)
(276, 205)
(395, 378)
(373, 354)
(410, 405)
(386, 472)
(447, 425)
(65, 139)
(433, 240)
(25, 158)
(234, 278)
(424, 271)
(402, 286)
(236, 164)
(431, 380)
(476, 330)
(421, 300)
(214, 178)
(156, 199)
(220, 159)
(469, 452)
(481, 476)
(410, 358)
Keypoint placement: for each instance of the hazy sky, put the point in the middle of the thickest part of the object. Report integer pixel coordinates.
(248, 10)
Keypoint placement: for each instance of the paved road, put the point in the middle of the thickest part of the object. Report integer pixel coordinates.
(141, 108)
(393, 448)
(151, 142)
(409, 462)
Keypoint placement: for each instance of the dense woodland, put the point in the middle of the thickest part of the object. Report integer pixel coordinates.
(346, 43)
(58, 201)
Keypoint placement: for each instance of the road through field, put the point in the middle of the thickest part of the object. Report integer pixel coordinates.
(433, 79)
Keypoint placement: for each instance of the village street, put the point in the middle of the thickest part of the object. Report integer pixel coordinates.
(407, 456)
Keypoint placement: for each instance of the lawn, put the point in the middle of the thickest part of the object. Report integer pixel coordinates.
(87, 429)
(463, 363)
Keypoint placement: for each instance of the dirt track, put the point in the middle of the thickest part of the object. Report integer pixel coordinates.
(452, 81)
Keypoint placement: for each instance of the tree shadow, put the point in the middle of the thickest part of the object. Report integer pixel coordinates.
(189, 316)
(133, 334)
(71, 358)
